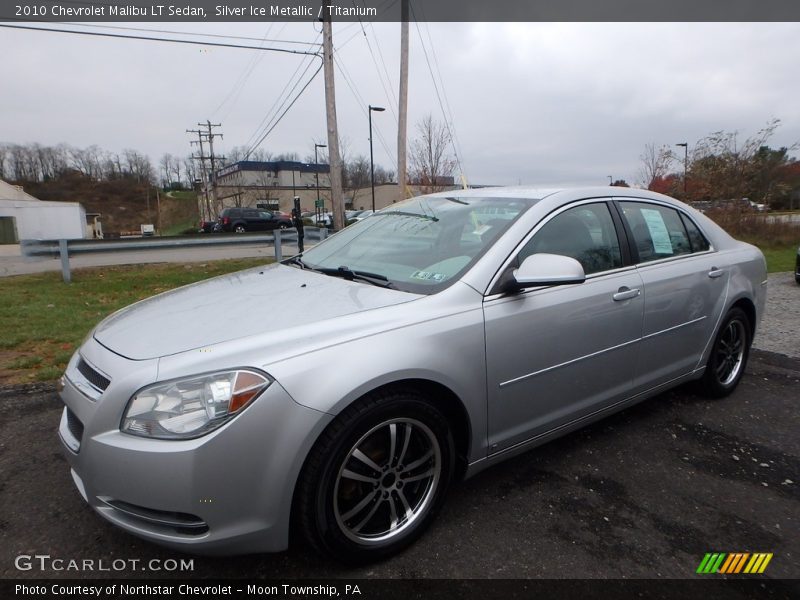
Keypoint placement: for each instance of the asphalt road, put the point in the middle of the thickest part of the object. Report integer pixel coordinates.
(12, 263)
(642, 494)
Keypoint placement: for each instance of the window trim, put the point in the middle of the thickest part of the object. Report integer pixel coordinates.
(491, 290)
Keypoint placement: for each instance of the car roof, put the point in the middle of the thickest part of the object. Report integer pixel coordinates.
(539, 193)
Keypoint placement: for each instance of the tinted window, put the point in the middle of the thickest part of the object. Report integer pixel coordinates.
(696, 237)
(585, 233)
(658, 231)
(250, 214)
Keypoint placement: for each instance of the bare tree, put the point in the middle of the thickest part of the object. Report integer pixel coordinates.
(138, 166)
(4, 161)
(165, 166)
(656, 162)
(355, 178)
(431, 162)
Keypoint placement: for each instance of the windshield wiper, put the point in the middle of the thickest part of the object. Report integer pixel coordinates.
(409, 214)
(297, 260)
(346, 273)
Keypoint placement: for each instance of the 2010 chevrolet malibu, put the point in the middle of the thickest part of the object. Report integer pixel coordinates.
(439, 336)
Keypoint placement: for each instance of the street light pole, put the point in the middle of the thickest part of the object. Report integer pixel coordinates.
(316, 169)
(685, 165)
(371, 159)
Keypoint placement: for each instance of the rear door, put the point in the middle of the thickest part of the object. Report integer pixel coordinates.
(685, 289)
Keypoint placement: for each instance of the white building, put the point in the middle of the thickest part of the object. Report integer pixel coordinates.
(23, 217)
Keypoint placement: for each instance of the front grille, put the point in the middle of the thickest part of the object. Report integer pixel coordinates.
(166, 521)
(92, 376)
(74, 425)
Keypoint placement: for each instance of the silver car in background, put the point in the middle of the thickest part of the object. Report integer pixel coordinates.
(425, 343)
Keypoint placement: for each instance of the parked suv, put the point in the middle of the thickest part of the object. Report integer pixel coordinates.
(240, 220)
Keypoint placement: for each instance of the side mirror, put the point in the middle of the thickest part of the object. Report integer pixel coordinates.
(548, 269)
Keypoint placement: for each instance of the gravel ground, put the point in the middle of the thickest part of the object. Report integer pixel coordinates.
(780, 328)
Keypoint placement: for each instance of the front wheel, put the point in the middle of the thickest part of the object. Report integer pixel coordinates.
(376, 478)
(729, 354)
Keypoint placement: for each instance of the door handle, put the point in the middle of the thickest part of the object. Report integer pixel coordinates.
(715, 272)
(626, 293)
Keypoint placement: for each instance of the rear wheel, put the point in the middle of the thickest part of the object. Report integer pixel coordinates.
(239, 229)
(729, 354)
(376, 477)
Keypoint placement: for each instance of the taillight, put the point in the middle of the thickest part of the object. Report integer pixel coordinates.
(226, 220)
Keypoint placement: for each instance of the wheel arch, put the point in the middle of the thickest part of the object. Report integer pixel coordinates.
(437, 394)
(749, 308)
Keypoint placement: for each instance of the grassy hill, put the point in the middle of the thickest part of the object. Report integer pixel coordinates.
(123, 203)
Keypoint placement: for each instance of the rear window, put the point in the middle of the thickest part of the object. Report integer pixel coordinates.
(658, 231)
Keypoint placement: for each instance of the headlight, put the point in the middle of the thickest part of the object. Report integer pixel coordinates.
(189, 408)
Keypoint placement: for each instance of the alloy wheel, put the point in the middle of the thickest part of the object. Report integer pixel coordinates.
(387, 481)
(730, 352)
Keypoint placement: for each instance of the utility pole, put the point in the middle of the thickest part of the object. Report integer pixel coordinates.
(209, 135)
(337, 201)
(209, 215)
(402, 113)
(685, 166)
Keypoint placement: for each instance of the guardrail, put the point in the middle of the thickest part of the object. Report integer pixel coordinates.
(65, 248)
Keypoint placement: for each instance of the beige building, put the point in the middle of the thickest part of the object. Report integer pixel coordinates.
(274, 185)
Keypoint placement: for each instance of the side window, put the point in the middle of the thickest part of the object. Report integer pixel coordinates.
(250, 214)
(265, 215)
(658, 231)
(696, 237)
(585, 233)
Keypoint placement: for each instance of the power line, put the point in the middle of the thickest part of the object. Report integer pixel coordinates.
(361, 103)
(457, 142)
(280, 102)
(172, 31)
(390, 98)
(243, 76)
(438, 94)
(158, 39)
(300, 93)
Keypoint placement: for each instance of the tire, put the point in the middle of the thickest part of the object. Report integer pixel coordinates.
(359, 499)
(239, 229)
(283, 226)
(729, 354)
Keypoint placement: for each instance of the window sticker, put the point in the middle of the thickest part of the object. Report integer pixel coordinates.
(658, 231)
(428, 276)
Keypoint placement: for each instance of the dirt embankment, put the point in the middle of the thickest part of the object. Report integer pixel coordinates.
(124, 204)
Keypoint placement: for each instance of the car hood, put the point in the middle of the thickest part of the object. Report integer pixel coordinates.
(252, 302)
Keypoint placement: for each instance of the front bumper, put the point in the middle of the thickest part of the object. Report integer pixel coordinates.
(229, 492)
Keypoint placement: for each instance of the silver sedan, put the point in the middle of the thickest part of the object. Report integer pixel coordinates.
(440, 336)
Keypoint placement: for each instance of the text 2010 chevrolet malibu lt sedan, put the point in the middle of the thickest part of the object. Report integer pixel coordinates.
(442, 335)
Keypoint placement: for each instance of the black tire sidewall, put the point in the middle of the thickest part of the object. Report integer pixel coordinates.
(355, 426)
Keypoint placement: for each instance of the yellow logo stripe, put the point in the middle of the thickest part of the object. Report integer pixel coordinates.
(764, 564)
(752, 563)
(758, 563)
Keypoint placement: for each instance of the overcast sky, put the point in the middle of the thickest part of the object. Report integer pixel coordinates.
(531, 103)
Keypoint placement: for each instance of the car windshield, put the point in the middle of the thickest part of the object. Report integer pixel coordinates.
(420, 245)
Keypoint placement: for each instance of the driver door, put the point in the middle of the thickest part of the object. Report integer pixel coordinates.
(559, 353)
